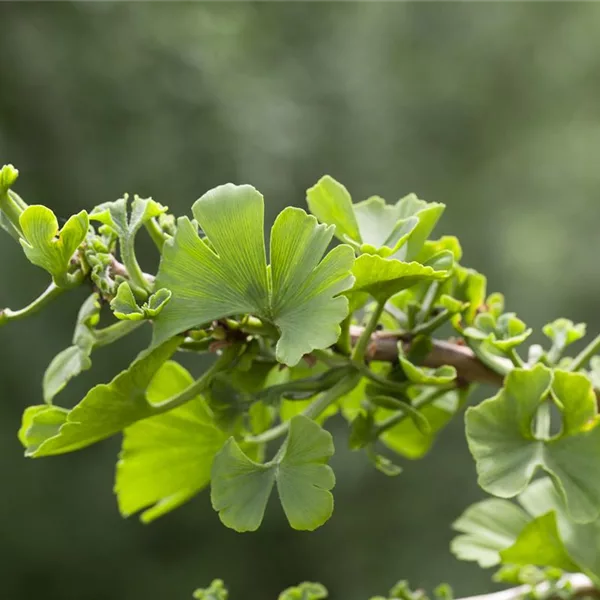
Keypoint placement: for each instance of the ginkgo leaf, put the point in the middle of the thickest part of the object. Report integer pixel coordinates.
(508, 453)
(373, 226)
(540, 533)
(540, 543)
(305, 591)
(408, 440)
(48, 247)
(582, 541)
(241, 487)
(114, 215)
(488, 527)
(109, 407)
(9, 200)
(125, 306)
(382, 278)
(298, 292)
(425, 376)
(166, 459)
(76, 358)
(564, 332)
(40, 423)
(216, 591)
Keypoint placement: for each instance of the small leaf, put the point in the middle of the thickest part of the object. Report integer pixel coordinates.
(331, 203)
(507, 454)
(564, 332)
(382, 463)
(47, 247)
(488, 527)
(124, 304)
(109, 407)
(410, 441)
(40, 423)
(165, 460)
(375, 227)
(216, 591)
(298, 293)
(305, 591)
(76, 358)
(539, 543)
(241, 487)
(424, 376)
(382, 278)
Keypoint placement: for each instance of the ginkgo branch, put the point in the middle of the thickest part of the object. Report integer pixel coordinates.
(580, 585)
(51, 292)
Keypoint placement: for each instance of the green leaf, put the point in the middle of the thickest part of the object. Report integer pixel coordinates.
(76, 358)
(109, 407)
(539, 543)
(408, 440)
(582, 541)
(424, 376)
(382, 278)
(11, 204)
(114, 214)
(241, 487)
(331, 203)
(488, 527)
(125, 306)
(47, 247)
(40, 423)
(216, 591)
(167, 459)
(507, 453)
(305, 591)
(298, 292)
(564, 332)
(375, 227)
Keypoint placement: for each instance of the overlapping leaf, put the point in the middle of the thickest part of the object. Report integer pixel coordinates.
(375, 227)
(76, 358)
(227, 273)
(166, 459)
(540, 533)
(382, 278)
(125, 306)
(8, 200)
(507, 453)
(241, 487)
(48, 247)
(107, 408)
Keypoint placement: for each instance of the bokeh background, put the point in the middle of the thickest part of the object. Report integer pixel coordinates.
(491, 108)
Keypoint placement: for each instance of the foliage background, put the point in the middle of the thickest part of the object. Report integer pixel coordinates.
(490, 108)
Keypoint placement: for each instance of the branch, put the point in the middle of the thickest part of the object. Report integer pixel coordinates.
(468, 367)
(580, 584)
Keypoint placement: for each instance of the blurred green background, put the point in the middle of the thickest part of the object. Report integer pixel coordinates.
(491, 108)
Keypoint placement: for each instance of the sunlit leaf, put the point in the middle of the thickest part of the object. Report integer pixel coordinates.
(539, 543)
(109, 407)
(216, 591)
(305, 591)
(48, 247)
(564, 332)
(487, 528)
(425, 376)
(298, 292)
(125, 306)
(40, 423)
(507, 453)
(241, 487)
(165, 460)
(382, 278)
(375, 227)
(76, 358)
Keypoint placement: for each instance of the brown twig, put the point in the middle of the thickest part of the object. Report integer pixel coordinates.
(468, 367)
